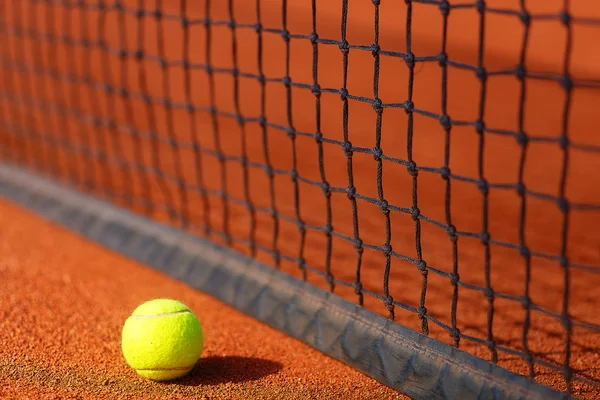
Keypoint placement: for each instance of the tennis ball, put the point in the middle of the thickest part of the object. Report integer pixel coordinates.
(162, 339)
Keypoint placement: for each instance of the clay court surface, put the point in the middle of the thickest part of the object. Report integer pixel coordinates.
(67, 299)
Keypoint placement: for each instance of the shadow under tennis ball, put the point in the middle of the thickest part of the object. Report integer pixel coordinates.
(216, 370)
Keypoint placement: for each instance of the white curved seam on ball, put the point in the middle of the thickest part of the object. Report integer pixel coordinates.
(159, 315)
(165, 369)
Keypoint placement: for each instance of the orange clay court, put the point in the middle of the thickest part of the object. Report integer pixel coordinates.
(216, 151)
(61, 331)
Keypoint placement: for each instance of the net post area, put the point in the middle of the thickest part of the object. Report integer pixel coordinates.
(410, 362)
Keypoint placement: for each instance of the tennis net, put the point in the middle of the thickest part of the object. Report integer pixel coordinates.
(434, 162)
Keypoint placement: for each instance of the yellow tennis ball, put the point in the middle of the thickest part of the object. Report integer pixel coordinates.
(162, 339)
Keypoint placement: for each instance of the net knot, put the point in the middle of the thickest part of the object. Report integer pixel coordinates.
(301, 226)
(481, 73)
(344, 46)
(167, 103)
(287, 81)
(269, 171)
(526, 302)
(388, 302)
(291, 132)
(376, 2)
(567, 322)
(422, 311)
(563, 142)
(384, 207)
(445, 173)
(521, 72)
(520, 189)
(411, 167)
(415, 213)
(528, 358)
(525, 18)
(409, 106)
(455, 333)
(422, 266)
(285, 35)
(330, 281)
(377, 153)
(326, 188)
(485, 238)
(318, 136)
(483, 187)
(488, 294)
(262, 121)
(184, 21)
(454, 279)
(375, 49)
(258, 27)
(378, 106)
(316, 90)
(157, 13)
(444, 8)
(451, 231)
(563, 204)
(347, 146)
(522, 139)
(343, 94)
(479, 126)
(409, 59)
(351, 191)
(563, 262)
(442, 59)
(358, 287)
(567, 372)
(480, 6)
(565, 18)
(358, 245)
(386, 249)
(446, 122)
(525, 252)
(313, 37)
(301, 262)
(240, 119)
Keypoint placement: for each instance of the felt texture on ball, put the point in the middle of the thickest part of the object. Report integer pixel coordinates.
(162, 339)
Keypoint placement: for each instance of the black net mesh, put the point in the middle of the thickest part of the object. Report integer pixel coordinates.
(434, 161)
